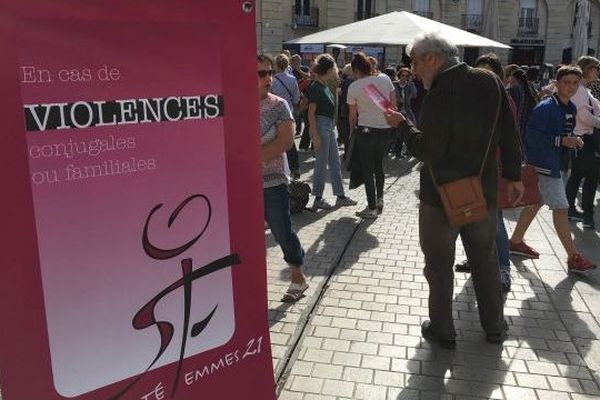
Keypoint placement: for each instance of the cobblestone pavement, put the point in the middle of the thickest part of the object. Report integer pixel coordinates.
(356, 335)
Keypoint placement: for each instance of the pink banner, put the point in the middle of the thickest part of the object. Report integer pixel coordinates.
(131, 149)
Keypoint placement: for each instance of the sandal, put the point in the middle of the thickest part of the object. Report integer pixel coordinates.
(294, 293)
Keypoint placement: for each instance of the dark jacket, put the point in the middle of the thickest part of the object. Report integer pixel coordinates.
(543, 138)
(454, 130)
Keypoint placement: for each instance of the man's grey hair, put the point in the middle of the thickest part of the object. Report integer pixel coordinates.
(434, 43)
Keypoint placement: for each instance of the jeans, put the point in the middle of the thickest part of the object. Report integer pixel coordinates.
(585, 166)
(327, 155)
(372, 147)
(438, 240)
(502, 244)
(277, 215)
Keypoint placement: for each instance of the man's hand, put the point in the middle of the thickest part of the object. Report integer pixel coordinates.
(394, 118)
(515, 191)
(572, 142)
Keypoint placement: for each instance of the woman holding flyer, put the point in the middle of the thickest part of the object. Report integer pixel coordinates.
(321, 113)
(368, 97)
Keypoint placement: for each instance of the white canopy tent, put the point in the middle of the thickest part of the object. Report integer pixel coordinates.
(397, 28)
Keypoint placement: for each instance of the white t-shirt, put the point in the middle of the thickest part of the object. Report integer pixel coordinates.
(369, 114)
(588, 111)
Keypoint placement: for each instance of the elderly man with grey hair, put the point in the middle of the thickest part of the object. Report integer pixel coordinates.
(454, 129)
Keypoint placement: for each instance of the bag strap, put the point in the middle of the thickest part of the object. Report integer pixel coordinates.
(487, 151)
(285, 87)
(489, 145)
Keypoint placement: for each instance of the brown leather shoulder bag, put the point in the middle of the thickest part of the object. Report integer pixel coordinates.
(463, 199)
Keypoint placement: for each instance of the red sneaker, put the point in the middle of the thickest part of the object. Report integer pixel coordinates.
(521, 249)
(577, 264)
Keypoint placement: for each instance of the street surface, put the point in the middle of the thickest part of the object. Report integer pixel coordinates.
(356, 335)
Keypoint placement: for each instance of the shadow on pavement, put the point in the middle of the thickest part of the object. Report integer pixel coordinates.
(570, 351)
(327, 250)
(362, 242)
(278, 313)
(299, 221)
(475, 368)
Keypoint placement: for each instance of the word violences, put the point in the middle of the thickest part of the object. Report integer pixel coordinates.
(100, 113)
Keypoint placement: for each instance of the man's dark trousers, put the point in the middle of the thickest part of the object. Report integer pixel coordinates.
(438, 240)
(585, 167)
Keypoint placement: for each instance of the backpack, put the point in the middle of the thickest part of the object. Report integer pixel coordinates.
(299, 192)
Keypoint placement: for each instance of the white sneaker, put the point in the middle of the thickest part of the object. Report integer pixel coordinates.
(321, 204)
(367, 213)
(345, 202)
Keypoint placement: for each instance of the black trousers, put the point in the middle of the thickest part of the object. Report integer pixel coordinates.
(438, 241)
(305, 139)
(343, 128)
(292, 156)
(372, 147)
(585, 166)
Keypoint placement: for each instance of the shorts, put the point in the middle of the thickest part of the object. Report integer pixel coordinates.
(552, 191)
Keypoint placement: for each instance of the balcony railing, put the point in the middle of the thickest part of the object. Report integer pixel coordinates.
(426, 14)
(528, 26)
(303, 19)
(472, 22)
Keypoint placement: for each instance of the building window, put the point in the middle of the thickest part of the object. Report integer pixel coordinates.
(528, 9)
(422, 8)
(472, 20)
(305, 15)
(528, 20)
(365, 9)
(302, 7)
(421, 5)
(474, 7)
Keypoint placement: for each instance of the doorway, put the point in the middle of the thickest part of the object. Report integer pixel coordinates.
(527, 55)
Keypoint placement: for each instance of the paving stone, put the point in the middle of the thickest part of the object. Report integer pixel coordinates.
(349, 359)
(532, 381)
(338, 388)
(318, 397)
(363, 348)
(307, 384)
(574, 371)
(512, 392)
(316, 355)
(564, 384)
(327, 371)
(370, 392)
(352, 374)
(376, 362)
(545, 368)
(552, 395)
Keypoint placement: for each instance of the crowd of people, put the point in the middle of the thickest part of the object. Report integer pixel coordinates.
(482, 123)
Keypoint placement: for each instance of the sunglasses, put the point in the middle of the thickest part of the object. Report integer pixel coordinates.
(265, 72)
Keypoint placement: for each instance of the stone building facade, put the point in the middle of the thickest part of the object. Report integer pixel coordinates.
(540, 31)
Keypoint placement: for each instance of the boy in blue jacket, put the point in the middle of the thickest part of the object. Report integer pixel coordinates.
(548, 139)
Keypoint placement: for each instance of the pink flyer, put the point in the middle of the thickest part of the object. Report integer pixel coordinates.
(378, 98)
